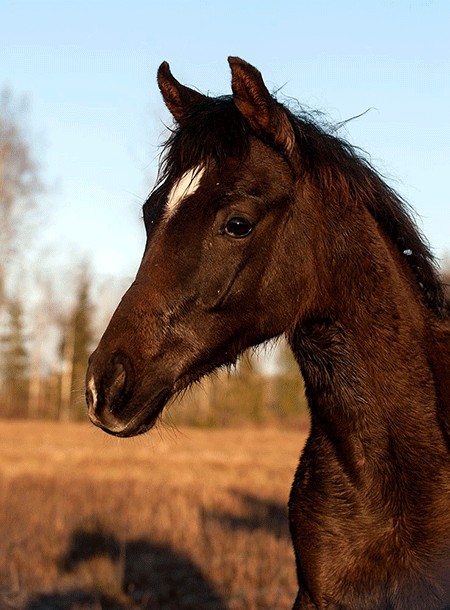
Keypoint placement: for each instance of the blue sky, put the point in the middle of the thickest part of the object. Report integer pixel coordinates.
(89, 70)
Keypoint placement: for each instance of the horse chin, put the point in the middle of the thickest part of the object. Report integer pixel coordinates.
(140, 422)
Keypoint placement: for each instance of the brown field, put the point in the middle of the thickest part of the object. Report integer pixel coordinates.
(187, 519)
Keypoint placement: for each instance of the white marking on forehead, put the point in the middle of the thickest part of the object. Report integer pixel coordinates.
(185, 186)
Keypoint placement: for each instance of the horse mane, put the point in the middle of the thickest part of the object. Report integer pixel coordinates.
(215, 129)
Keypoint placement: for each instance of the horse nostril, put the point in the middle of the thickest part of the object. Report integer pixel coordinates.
(108, 386)
(116, 385)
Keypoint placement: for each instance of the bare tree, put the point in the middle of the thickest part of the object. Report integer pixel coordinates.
(43, 354)
(19, 183)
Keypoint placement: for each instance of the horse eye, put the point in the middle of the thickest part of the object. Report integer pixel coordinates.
(238, 227)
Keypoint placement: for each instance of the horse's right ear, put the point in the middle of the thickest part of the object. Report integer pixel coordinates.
(178, 98)
(257, 106)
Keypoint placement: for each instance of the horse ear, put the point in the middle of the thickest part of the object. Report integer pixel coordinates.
(257, 106)
(178, 98)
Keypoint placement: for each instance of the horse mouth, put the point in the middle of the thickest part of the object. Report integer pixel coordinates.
(139, 423)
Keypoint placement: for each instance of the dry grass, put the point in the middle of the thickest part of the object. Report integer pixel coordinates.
(189, 520)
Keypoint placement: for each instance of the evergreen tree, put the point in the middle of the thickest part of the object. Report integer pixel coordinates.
(15, 359)
(82, 325)
(76, 348)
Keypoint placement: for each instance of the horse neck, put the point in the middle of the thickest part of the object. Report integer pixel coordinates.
(370, 381)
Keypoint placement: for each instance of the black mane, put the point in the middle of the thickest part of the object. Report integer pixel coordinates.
(215, 129)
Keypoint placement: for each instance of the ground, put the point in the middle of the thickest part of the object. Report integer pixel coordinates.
(177, 519)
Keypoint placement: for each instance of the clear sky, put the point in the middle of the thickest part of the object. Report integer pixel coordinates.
(89, 70)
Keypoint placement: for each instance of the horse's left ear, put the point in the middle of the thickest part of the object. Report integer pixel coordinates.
(179, 99)
(257, 106)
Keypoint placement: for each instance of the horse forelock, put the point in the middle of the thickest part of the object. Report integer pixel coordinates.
(214, 131)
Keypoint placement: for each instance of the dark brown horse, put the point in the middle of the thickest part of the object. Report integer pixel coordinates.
(264, 222)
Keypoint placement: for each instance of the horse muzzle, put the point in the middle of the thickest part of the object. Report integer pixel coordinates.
(114, 401)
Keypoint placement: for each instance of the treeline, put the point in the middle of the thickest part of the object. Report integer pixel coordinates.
(44, 350)
(46, 321)
(43, 370)
(44, 353)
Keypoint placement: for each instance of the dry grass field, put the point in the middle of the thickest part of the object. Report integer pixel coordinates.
(187, 519)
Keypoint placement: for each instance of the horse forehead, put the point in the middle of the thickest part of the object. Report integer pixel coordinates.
(183, 188)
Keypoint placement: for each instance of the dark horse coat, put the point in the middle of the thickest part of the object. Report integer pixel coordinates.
(264, 222)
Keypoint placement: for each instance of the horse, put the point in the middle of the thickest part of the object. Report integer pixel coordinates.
(265, 222)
